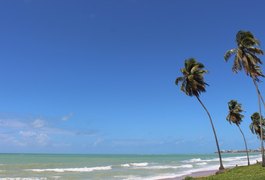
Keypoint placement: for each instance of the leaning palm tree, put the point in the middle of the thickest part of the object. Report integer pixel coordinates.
(255, 124)
(234, 116)
(193, 84)
(246, 57)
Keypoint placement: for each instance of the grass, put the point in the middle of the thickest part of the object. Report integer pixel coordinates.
(253, 172)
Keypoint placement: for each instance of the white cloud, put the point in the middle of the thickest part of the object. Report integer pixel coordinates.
(31, 132)
(38, 123)
(42, 139)
(98, 141)
(11, 140)
(27, 133)
(67, 117)
(11, 123)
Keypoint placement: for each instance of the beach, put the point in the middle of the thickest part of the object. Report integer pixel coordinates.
(195, 174)
(115, 167)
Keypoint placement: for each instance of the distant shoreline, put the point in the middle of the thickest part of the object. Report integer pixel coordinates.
(239, 151)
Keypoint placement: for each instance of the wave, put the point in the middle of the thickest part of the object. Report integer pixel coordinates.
(139, 164)
(186, 166)
(169, 176)
(24, 178)
(125, 165)
(225, 159)
(166, 167)
(228, 159)
(135, 164)
(85, 169)
(157, 177)
(201, 163)
(192, 160)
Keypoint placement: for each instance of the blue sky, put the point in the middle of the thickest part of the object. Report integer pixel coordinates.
(98, 76)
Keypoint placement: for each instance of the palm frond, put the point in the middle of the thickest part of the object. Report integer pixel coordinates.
(234, 114)
(179, 79)
(229, 53)
(255, 50)
(193, 78)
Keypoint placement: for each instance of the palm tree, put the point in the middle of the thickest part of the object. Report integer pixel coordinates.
(255, 124)
(246, 58)
(193, 84)
(234, 116)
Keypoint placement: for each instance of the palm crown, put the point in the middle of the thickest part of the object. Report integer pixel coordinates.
(192, 80)
(255, 124)
(235, 110)
(246, 55)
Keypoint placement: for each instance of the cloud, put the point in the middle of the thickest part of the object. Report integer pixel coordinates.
(9, 139)
(10, 123)
(33, 133)
(42, 139)
(27, 133)
(87, 133)
(67, 117)
(98, 141)
(38, 123)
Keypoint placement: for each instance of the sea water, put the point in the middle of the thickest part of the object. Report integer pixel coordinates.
(112, 167)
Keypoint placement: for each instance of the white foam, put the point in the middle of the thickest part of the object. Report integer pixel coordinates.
(139, 164)
(85, 169)
(125, 165)
(192, 160)
(228, 159)
(229, 162)
(56, 177)
(186, 166)
(20, 178)
(157, 177)
(225, 159)
(166, 167)
(201, 163)
(165, 176)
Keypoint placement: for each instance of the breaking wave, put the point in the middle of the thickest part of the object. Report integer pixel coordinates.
(84, 169)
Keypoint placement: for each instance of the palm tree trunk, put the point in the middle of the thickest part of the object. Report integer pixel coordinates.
(215, 136)
(261, 125)
(245, 143)
(259, 93)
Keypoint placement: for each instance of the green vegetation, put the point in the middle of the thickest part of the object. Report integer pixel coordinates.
(252, 172)
(193, 84)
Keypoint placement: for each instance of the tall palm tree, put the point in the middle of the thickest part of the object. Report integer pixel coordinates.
(234, 116)
(255, 124)
(193, 84)
(246, 57)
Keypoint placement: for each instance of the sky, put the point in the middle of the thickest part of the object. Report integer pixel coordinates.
(98, 76)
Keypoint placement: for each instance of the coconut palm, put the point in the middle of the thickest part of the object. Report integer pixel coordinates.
(234, 116)
(255, 124)
(246, 57)
(193, 84)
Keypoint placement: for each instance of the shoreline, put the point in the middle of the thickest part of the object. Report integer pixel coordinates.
(194, 174)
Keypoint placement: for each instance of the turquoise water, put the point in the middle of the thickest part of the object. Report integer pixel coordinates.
(108, 167)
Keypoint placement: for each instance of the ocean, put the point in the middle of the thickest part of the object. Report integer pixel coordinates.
(111, 167)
